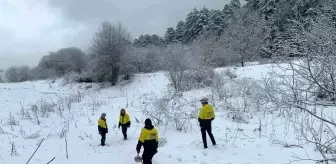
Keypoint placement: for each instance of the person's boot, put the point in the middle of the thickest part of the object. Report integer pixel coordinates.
(102, 142)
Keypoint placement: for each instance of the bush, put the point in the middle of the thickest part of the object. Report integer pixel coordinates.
(71, 77)
(230, 74)
(197, 78)
(39, 73)
(18, 74)
(84, 80)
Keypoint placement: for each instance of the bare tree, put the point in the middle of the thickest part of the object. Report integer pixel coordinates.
(109, 44)
(176, 64)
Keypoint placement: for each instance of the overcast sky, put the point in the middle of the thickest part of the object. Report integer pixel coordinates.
(30, 29)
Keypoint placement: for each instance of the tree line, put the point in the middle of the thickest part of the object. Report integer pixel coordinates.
(206, 39)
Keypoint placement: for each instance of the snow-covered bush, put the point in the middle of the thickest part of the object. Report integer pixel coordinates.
(170, 110)
(38, 73)
(238, 116)
(197, 78)
(17, 74)
(162, 141)
(71, 77)
(230, 73)
(12, 121)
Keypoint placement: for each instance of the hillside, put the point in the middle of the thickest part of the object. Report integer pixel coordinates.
(65, 116)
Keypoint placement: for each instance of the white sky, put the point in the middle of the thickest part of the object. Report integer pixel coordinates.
(30, 29)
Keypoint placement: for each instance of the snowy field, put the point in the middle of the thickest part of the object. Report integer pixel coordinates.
(65, 116)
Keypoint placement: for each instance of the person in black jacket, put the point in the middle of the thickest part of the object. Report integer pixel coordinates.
(102, 128)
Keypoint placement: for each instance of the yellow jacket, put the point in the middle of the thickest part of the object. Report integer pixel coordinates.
(124, 119)
(206, 113)
(149, 135)
(102, 125)
(149, 139)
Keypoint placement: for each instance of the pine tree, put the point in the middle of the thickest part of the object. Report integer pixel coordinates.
(170, 35)
(217, 23)
(179, 32)
(189, 24)
(235, 5)
(230, 9)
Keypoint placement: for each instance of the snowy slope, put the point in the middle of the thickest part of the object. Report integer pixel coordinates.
(238, 143)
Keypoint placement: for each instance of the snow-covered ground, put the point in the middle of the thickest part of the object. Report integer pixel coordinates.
(71, 111)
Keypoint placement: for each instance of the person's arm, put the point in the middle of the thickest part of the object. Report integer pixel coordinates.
(99, 126)
(213, 114)
(200, 114)
(141, 141)
(129, 121)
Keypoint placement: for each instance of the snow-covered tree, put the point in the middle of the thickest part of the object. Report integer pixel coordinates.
(189, 26)
(216, 24)
(176, 64)
(170, 35)
(230, 10)
(179, 32)
(245, 36)
(145, 40)
(109, 44)
(63, 61)
(17, 74)
(306, 87)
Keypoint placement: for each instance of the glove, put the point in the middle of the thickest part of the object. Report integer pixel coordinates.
(138, 151)
(106, 130)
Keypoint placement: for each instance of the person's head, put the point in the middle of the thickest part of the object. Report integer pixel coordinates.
(148, 122)
(204, 100)
(122, 111)
(103, 115)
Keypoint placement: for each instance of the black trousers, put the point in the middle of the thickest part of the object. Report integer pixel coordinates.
(204, 130)
(124, 131)
(147, 157)
(103, 138)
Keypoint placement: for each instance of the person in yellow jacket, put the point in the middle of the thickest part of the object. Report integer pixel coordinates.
(149, 139)
(205, 118)
(102, 128)
(124, 122)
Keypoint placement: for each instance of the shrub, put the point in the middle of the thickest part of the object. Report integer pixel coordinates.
(18, 74)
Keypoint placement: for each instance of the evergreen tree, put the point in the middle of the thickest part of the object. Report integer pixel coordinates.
(189, 32)
(145, 40)
(217, 23)
(230, 9)
(235, 5)
(170, 35)
(179, 32)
